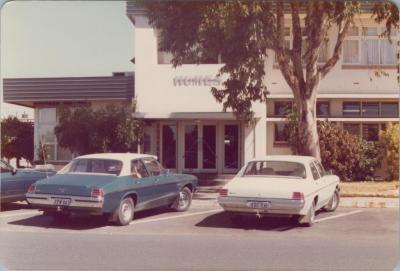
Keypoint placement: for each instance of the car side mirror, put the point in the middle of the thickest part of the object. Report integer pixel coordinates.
(13, 171)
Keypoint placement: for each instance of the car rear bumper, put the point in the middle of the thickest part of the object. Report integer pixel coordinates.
(272, 206)
(77, 203)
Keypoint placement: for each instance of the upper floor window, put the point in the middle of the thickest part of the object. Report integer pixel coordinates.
(323, 108)
(367, 46)
(351, 108)
(389, 109)
(371, 109)
(282, 108)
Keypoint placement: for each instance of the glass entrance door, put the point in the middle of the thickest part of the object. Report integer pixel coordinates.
(200, 147)
(231, 147)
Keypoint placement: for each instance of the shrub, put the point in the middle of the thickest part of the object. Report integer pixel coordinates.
(390, 142)
(347, 155)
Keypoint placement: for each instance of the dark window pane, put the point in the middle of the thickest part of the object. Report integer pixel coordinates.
(231, 146)
(323, 109)
(352, 128)
(351, 109)
(371, 132)
(370, 109)
(281, 132)
(209, 146)
(191, 138)
(169, 146)
(390, 109)
(282, 108)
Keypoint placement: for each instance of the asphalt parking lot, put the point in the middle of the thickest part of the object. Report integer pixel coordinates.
(201, 239)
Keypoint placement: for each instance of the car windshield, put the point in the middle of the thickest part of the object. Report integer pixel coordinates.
(97, 166)
(275, 168)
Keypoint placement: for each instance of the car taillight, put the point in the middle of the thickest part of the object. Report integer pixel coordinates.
(32, 188)
(298, 195)
(97, 192)
(223, 192)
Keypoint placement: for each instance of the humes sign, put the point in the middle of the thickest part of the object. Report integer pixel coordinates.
(188, 81)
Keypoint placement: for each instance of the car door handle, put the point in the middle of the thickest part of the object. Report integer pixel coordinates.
(137, 182)
(157, 180)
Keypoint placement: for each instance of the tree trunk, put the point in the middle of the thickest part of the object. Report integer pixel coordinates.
(309, 140)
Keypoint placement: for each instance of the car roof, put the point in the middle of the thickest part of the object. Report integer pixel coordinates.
(117, 156)
(290, 158)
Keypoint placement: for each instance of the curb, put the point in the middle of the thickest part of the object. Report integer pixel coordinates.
(355, 202)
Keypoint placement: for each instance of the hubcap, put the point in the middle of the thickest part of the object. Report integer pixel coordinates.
(183, 199)
(126, 211)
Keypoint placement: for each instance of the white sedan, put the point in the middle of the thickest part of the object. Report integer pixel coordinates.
(289, 185)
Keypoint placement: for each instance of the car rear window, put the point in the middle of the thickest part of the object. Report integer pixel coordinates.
(100, 166)
(275, 168)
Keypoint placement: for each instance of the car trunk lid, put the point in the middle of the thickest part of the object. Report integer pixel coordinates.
(72, 184)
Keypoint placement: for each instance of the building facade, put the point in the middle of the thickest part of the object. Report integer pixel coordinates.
(189, 131)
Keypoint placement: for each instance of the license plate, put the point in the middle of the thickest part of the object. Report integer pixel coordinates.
(259, 204)
(64, 202)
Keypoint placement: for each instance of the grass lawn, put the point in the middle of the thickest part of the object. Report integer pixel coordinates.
(369, 189)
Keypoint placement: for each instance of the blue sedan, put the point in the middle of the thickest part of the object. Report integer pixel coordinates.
(15, 182)
(115, 185)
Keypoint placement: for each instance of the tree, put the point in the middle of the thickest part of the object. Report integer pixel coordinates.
(241, 32)
(16, 139)
(111, 129)
(390, 138)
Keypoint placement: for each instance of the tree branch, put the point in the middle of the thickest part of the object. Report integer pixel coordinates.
(338, 47)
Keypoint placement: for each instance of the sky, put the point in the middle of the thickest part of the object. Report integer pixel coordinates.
(63, 38)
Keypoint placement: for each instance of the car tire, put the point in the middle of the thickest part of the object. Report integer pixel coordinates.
(333, 203)
(309, 219)
(183, 201)
(125, 212)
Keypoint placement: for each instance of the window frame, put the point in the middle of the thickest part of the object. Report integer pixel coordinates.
(275, 134)
(281, 102)
(329, 108)
(144, 166)
(150, 172)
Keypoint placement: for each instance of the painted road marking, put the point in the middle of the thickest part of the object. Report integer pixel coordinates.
(20, 214)
(175, 216)
(337, 216)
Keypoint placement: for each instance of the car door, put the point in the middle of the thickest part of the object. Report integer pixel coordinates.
(143, 183)
(318, 185)
(10, 186)
(165, 185)
(329, 184)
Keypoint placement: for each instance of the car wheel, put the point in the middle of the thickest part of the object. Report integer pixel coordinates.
(309, 219)
(125, 211)
(333, 203)
(182, 203)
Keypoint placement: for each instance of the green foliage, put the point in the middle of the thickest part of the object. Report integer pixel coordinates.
(390, 141)
(16, 139)
(111, 129)
(349, 156)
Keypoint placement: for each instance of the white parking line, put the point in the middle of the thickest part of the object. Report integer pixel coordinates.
(176, 216)
(337, 216)
(20, 214)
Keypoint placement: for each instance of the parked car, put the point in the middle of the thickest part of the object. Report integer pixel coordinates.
(288, 185)
(112, 184)
(15, 182)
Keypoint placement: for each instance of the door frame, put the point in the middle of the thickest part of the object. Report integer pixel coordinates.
(223, 168)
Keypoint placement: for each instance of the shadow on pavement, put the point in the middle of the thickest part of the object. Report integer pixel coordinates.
(12, 206)
(222, 220)
(80, 221)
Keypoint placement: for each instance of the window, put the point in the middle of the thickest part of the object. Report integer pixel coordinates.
(352, 128)
(275, 168)
(370, 109)
(323, 109)
(366, 46)
(153, 166)
(138, 169)
(314, 171)
(351, 109)
(320, 168)
(370, 132)
(282, 108)
(100, 166)
(281, 132)
(389, 109)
